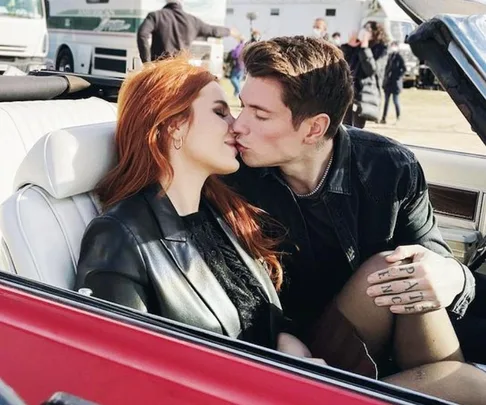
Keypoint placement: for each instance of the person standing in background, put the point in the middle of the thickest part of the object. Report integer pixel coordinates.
(393, 81)
(366, 55)
(237, 66)
(336, 39)
(172, 30)
(320, 29)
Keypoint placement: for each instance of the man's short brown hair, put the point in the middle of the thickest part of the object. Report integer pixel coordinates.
(314, 75)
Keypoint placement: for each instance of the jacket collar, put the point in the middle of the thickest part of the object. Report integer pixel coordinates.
(169, 221)
(340, 174)
(174, 6)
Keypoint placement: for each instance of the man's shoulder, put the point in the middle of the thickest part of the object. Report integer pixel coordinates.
(372, 147)
(384, 166)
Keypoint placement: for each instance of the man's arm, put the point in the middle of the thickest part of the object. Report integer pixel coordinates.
(417, 225)
(207, 30)
(144, 34)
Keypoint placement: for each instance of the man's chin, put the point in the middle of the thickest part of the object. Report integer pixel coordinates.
(248, 161)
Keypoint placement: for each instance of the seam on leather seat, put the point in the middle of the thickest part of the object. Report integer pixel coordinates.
(59, 221)
(46, 163)
(63, 230)
(22, 232)
(19, 134)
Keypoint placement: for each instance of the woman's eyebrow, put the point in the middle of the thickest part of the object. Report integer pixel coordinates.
(224, 103)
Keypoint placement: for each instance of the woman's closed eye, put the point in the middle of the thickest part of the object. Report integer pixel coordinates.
(222, 113)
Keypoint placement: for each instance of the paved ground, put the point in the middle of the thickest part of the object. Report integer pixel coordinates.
(429, 118)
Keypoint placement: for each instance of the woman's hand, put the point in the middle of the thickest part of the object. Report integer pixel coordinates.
(289, 344)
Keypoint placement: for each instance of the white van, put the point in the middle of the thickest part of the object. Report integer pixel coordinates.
(23, 35)
(99, 36)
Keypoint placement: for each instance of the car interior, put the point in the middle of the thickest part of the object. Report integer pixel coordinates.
(55, 148)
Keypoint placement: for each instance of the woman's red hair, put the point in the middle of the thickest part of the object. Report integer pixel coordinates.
(150, 101)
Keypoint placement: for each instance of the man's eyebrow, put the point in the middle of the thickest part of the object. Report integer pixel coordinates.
(256, 107)
(223, 102)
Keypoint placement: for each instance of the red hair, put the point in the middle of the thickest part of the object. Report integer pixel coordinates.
(150, 101)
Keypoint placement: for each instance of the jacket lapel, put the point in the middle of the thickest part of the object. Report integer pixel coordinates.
(190, 262)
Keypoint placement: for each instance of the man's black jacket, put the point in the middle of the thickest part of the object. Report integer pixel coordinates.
(172, 30)
(376, 196)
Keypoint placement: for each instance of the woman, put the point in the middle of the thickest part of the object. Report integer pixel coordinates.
(173, 240)
(366, 55)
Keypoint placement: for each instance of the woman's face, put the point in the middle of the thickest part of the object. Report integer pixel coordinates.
(208, 144)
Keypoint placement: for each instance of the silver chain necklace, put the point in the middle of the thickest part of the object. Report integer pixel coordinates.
(319, 185)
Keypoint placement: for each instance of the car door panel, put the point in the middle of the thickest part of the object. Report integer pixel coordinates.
(457, 189)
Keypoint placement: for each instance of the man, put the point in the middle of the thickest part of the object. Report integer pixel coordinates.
(343, 195)
(336, 39)
(171, 30)
(319, 29)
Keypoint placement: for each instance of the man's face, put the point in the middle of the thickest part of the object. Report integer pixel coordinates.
(265, 134)
(320, 25)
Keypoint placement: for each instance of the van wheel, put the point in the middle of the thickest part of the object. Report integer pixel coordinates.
(65, 61)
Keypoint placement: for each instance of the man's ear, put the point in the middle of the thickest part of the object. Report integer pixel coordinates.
(318, 126)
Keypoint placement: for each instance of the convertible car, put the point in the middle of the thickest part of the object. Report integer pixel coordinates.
(59, 346)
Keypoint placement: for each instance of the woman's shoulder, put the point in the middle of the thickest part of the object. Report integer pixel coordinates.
(129, 215)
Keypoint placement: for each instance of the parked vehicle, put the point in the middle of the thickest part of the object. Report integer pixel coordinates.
(99, 37)
(55, 339)
(23, 35)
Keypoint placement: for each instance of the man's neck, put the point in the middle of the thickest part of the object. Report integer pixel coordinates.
(304, 175)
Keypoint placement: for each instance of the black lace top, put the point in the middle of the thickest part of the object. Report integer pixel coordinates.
(257, 317)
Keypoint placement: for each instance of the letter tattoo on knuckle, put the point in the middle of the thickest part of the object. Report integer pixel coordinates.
(419, 296)
(408, 269)
(411, 284)
(386, 288)
(396, 300)
(383, 273)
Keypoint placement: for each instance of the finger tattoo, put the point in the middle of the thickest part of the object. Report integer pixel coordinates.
(409, 308)
(383, 273)
(419, 296)
(386, 288)
(411, 284)
(408, 269)
(396, 300)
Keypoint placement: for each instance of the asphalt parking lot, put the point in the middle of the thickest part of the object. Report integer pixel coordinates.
(429, 118)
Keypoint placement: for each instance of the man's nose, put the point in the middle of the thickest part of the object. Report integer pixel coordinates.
(238, 127)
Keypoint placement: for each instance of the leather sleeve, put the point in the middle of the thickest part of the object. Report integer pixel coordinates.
(111, 265)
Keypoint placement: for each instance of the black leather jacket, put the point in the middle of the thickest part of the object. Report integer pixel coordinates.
(137, 254)
(376, 197)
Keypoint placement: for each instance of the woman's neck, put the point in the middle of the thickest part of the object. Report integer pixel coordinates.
(185, 190)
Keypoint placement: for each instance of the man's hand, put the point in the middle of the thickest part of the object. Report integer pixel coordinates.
(418, 280)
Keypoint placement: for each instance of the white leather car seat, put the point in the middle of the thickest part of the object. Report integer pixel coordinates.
(44, 220)
(23, 123)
